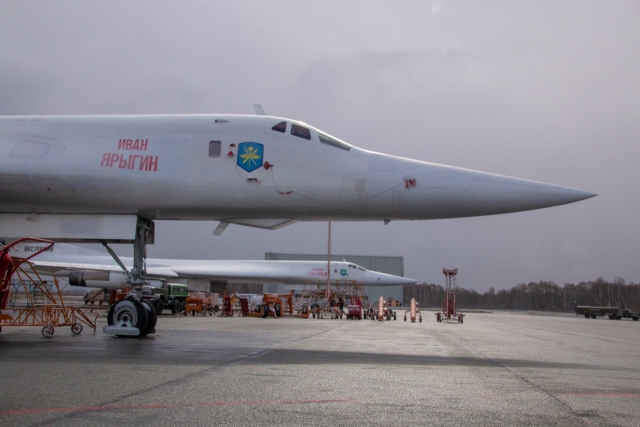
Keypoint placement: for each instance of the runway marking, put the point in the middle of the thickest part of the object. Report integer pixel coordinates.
(100, 408)
(169, 405)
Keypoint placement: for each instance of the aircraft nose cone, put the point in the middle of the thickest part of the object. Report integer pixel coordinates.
(390, 280)
(422, 190)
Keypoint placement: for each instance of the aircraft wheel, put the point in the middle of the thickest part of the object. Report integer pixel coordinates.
(47, 331)
(76, 328)
(130, 313)
(152, 319)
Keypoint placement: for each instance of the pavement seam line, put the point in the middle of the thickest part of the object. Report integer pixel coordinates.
(532, 384)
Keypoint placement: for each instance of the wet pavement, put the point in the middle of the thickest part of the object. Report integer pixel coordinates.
(495, 369)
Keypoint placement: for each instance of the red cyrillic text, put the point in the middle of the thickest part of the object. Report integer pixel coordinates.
(131, 161)
(133, 144)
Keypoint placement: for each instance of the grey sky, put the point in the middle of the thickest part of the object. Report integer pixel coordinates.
(548, 91)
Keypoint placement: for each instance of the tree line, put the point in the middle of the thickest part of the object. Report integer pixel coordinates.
(542, 296)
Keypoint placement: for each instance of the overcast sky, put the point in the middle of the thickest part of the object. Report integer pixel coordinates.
(542, 90)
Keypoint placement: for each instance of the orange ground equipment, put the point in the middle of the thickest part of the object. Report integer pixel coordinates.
(275, 305)
(383, 312)
(227, 307)
(198, 303)
(449, 307)
(413, 312)
(48, 315)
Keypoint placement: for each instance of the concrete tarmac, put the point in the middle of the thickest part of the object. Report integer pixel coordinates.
(496, 369)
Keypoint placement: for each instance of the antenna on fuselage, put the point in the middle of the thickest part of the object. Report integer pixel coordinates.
(259, 109)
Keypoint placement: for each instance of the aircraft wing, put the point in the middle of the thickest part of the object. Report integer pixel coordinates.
(63, 269)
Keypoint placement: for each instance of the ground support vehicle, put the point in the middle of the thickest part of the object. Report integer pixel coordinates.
(627, 314)
(354, 311)
(449, 306)
(275, 305)
(322, 303)
(199, 303)
(614, 313)
(161, 295)
(49, 315)
(302, 312)
(383, 312)
(413, 312)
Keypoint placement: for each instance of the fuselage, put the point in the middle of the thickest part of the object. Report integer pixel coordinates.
(235, 167)
(63, 259)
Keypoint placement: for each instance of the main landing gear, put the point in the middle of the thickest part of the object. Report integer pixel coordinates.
(132, 317)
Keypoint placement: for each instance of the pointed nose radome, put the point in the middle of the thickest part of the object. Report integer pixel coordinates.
(424, 190)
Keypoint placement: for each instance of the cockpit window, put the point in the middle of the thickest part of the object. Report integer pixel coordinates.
(334, 142)
(300, 132)
(280, 127)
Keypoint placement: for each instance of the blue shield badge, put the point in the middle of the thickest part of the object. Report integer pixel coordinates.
(250, 155)
(343, 272)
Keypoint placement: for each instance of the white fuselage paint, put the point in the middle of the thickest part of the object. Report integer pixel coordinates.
(159, 167)
(62, 259)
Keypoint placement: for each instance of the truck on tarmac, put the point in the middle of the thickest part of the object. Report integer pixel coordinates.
(614, 313)
(172, 296)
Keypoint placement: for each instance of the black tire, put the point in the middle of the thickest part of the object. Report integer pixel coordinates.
(76, 329)
(305, 309)
(278, 309)
(586, 315)
(130, 311)
(394, 316)
(264, 311)
(174, 307)
(593, 316)
(47, 331)
(159, 307)
(153, 319)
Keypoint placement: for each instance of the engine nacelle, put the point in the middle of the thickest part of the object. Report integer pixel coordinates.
(98, 279)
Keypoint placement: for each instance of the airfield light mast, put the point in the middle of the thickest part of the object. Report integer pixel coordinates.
(329, 264)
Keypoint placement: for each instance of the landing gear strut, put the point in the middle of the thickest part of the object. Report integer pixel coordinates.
(131, 317)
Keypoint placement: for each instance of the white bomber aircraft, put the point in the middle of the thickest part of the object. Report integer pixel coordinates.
(107, 178)
(91, 268)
